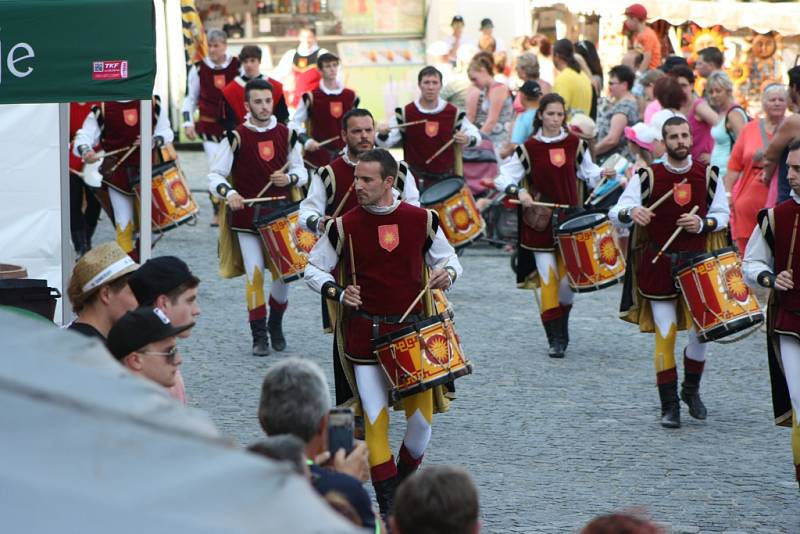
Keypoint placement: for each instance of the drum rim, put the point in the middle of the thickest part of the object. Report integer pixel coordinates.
(385, 339)
(397, 393)
(608, 283)
(278, 214)
(747, 320)
(678, 270)
(437, 200)
(603, 217)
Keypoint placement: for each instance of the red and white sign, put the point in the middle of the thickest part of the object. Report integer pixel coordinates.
(110, 70)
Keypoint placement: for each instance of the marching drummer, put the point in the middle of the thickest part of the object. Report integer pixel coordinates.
(331, 194)
(690, 198)
(233, 110)
(771, 259)
(115, 125)
(318, 117)
(263, 158)
(542, 172)
(436, 132)
(384, 246)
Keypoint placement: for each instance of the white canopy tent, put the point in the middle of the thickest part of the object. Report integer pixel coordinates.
(88, 447)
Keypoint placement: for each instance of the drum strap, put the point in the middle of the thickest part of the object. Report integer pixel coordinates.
(389, 319)
(675, 258)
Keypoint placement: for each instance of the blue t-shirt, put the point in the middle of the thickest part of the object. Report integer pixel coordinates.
(523, 127)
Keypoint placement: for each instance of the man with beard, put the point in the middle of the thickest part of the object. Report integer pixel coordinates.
(438, 123)
(391, 245)
(332, 192)
(255, 155)
(650, 298)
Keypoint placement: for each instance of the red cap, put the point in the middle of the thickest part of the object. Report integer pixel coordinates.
(637, 11)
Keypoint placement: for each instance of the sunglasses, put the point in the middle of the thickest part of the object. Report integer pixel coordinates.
(169, 356)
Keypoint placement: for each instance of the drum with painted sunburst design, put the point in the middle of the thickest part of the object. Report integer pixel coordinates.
(418, 357)
(718, 298)
(459, 217)
(287, 242)
(590, 252)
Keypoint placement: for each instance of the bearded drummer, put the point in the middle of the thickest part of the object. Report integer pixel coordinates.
(115, 125)
(651, 298)
(390, 243)
(444, 124)
(255, 154)
(319, 114)
(771, 260)
(545, 168)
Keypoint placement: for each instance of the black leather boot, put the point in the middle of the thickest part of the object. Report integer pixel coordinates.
(260, 340)
(384, 493)
(690, 394)
(553, 331)
(406, 464)
(275, 326)
(79, 242)
(670, 405)
(565, 324)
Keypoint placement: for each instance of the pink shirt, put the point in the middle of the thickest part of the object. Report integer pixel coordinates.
(702, 141)
(651, 109)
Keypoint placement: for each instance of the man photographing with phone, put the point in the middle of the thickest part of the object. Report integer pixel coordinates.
(295, 400)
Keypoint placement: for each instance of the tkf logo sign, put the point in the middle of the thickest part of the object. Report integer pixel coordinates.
(19, 52)
(109, 70)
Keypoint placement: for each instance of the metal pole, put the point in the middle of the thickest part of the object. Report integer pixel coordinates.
(146, 179)
(67, 252)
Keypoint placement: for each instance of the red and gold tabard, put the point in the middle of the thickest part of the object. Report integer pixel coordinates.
(388, 251)
(783, 220)
(233, 94)
(259, 155)
(552, 172)
(78, 111)
(306, 75)
(119, 124)
(212, 83)
(656, 281)
(421, 141)
(325, 114)
(338, 180)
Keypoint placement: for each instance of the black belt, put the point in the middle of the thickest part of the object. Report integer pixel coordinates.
(378, 320)
(676, 258)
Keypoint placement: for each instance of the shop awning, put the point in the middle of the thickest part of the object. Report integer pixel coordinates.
(760, 16)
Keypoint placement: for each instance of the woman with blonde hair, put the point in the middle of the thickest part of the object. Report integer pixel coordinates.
(732, 119)
(489, 105)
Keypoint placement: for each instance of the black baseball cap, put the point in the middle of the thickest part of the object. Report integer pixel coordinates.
(487, 23)
(457, 18)
(531, 89)
(140, 327)
(159, 276)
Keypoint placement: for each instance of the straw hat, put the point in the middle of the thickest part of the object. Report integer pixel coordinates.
(582, 125)
(101, 265)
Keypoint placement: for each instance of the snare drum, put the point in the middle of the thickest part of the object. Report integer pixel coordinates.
(287, 242)
(459, 217)
(421, 356)
(172, 201)
(590, 252)
(718, 298)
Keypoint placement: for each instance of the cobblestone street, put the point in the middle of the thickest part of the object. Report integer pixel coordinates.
(550, 443)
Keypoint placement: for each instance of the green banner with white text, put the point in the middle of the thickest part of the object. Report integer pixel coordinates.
(76, 50)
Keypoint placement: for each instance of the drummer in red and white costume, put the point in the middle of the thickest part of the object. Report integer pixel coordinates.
(253, 154)
(233, 110)
(115, 125)
(421, 141)
(653, 301)
(205, 83)
(392, 243)
(546, 167)
(319, 113)
(298, 67)
(82, 223)
(771, 260)
(334, 182)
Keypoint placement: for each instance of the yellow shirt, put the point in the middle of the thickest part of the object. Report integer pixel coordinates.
(576, 90)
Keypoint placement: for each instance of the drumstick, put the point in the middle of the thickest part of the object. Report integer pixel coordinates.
(536, 203)
(344, 199)
(673, 236)
(112, 152)
(414, 303)
(352, 260)
(444, 147)
(661, 200)
(261, 199)
(404, 124)
(329, 141)
(791, 245)
(603, 180)
(269, 184)
(123, 158)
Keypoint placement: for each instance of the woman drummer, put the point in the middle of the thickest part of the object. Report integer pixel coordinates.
(544, 170)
